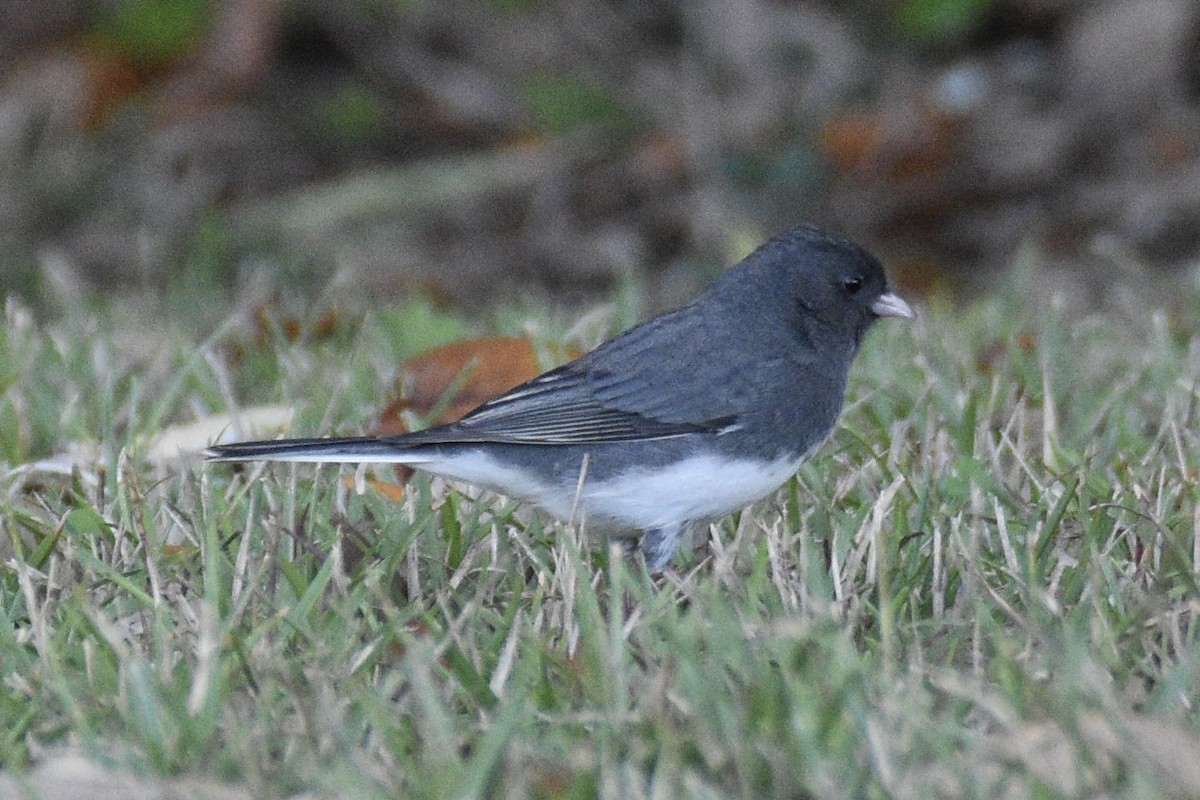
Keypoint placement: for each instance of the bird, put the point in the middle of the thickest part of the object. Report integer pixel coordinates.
(677, 422)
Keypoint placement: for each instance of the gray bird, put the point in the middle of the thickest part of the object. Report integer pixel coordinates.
(681, 420)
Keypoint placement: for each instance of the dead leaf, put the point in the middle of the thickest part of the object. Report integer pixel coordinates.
(268, 320)
(452, 380)
(182, 440)
(111, 82)
(457, 377)
(913, 144)
(390, 491)
(851, 139)
(70, 775)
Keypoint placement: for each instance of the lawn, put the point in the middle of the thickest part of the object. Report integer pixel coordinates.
(985, 584)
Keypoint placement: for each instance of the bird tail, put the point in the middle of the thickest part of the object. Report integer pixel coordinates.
(345, 450)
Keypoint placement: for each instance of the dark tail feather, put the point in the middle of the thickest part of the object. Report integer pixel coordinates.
(350, 449)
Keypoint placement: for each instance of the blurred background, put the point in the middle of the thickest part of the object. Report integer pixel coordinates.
(471, 150)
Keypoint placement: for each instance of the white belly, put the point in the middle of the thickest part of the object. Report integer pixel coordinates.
(698, 488)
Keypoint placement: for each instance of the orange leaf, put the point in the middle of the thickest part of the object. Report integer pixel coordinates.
(851, 139)
(111, 82)
(468, 373)
(910, 145)
(485, 368)
(390, 491)
(267, 319)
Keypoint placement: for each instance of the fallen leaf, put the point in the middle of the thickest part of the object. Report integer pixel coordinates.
(68, 775)
(915, 143)
(182, 440)
(445, 383)
(111, 82)
(851, 139)
(268, 320)
(390, 491)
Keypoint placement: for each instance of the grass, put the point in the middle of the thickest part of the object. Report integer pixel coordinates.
(985, 585)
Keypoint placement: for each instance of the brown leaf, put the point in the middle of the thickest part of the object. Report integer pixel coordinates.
(268, 323)
(461, 376)
(851, 139)
(910, 144)
(390, 491)
(267, 319)
(469, 373)
(111, 82)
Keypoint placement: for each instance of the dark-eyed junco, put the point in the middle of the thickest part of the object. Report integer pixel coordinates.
(680, 420)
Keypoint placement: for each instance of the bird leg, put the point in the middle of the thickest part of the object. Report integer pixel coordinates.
(659, 545)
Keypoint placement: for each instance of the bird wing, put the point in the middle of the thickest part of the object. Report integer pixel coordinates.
(642, 385)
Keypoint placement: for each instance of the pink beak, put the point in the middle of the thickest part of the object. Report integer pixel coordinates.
(890, 305)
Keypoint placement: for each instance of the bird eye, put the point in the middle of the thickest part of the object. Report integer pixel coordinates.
(852, 285)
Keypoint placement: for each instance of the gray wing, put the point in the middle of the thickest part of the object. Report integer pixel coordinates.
(650, 383)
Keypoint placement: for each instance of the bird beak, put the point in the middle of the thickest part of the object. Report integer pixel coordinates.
(890, 305)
